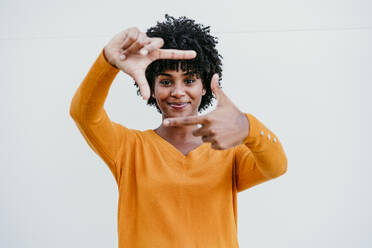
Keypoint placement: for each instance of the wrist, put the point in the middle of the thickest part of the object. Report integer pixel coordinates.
(244, 125)
(107, 58)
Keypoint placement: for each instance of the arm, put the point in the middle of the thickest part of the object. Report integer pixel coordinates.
(86, 109)
(130, 51)
(260, 158)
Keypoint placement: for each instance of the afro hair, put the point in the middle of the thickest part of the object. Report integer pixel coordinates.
(185, 34)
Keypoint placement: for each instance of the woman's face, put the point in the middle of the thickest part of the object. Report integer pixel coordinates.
(178, 93)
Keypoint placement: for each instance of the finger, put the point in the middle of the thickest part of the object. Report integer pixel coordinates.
(153, 44)
(143, 85)
(215, 146)
(207, 138)
(203, 131)
(131, 37)
(217, 91)
(189, 120)
(141, 41)
(121, 37)
(216, 87)
(174, 54)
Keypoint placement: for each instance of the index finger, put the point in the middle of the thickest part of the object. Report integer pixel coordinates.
(189, 120)
(175, 54)
(143, 85)
(154, 43)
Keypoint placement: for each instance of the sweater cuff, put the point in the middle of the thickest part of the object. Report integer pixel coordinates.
(259, 136)
(103, 63)
(252, 132)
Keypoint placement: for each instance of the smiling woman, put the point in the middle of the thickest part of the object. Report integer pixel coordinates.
(177, 183)
(185, 34)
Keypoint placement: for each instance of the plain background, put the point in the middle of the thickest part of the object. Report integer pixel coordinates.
(303, 68)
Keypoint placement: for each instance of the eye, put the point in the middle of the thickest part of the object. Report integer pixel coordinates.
(189, 81)
(165, 82)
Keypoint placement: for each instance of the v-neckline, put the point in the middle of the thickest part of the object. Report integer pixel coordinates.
(176, 151)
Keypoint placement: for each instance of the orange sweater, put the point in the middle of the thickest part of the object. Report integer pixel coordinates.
(167, 199)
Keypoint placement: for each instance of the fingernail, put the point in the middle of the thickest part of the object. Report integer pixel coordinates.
(144, 52)
(166, 122)
(122, 57)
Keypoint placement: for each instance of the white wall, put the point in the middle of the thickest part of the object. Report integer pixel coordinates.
(305, 67)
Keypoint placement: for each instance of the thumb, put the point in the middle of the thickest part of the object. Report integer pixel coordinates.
(143, 85)
(217, 91)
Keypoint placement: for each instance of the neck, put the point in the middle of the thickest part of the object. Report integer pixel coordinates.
(178, 134)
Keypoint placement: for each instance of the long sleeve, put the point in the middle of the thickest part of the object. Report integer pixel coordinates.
(260, 158)
(103, 135)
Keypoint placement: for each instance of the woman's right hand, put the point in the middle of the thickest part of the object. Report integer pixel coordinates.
(132, 51)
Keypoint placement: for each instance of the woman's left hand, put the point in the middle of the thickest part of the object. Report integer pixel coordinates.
(224, 127)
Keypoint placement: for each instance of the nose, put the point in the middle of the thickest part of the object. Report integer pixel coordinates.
(178, 90)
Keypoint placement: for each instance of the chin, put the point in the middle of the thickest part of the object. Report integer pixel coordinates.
(176, 114)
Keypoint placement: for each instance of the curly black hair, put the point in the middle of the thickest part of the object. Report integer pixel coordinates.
(185, 34)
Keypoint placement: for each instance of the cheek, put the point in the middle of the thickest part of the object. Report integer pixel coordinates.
(197, 91)
(160, 93)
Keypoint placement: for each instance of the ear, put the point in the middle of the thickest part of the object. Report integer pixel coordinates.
(204, 91)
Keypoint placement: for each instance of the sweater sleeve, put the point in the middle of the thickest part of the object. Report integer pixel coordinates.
(260, 158)
(104, 136)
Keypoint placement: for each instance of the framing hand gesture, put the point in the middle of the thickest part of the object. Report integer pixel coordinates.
(132, 51)
(224, 127)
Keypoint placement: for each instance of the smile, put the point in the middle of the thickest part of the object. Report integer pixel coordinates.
(178, 105)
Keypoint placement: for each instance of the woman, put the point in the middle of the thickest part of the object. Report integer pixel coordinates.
(177, 183)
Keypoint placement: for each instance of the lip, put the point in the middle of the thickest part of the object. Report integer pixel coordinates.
(178, 105)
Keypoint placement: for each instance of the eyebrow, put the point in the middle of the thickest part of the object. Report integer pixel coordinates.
(169, 75)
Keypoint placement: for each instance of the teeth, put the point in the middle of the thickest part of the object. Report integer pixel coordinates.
(178, 104)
